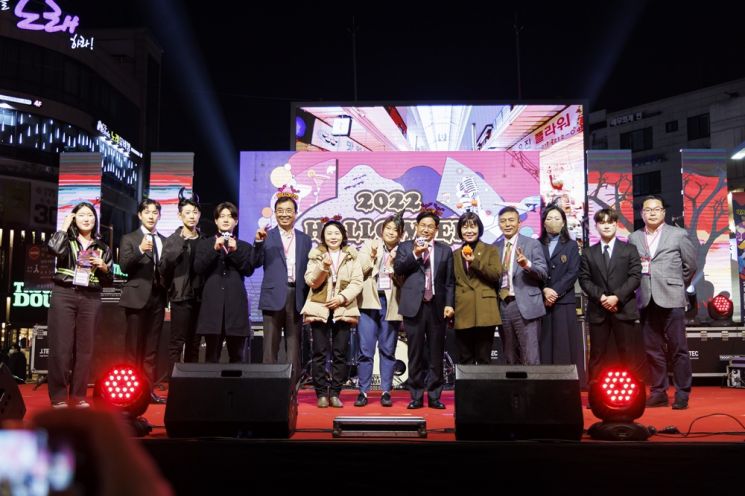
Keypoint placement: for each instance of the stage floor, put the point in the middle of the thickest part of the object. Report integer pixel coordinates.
(713, 411)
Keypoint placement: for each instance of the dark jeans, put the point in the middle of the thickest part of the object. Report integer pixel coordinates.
(183, 332)
(329, 337)
(72, 321)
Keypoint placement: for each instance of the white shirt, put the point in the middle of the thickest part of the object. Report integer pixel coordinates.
(610, 246)
(288, 244)
(156, 240)
(653, 240)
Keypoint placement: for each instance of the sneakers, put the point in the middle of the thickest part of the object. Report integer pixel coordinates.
(82, 404)
(336, 402)
(323, 402)
(361, 400)
(59, 404)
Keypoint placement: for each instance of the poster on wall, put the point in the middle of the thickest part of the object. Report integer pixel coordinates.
(706, 214)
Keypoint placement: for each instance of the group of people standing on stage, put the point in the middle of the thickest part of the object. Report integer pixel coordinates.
(525, 285)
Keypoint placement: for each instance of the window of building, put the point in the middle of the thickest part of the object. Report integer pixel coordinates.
(698, 127)
(647, 184)
(671, 126)
(638, 140)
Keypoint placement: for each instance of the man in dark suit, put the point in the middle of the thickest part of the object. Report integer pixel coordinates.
(284, 254)
(668, 261)
(427, 301)
(144, 295)
(609, 273)
(524, 270)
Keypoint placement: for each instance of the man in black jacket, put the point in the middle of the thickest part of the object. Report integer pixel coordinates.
(143, 296)
(609, 273)
(184, 284)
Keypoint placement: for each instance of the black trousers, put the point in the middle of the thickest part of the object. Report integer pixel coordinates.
(627, 341)
(72, 321)
(237, 348)
(143, 333)
(474, 345)
(291, 322)
(425, 334)
(334, 337)
(183, 333)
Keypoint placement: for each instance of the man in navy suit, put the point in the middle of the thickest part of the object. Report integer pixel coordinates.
(427, 301)
(283, 252)
(144, 295)
(524, 272)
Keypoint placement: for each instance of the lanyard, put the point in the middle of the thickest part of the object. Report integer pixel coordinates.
(287, 246)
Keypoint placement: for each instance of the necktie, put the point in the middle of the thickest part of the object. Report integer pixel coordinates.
(427, 276)
(606, 256)
(505, 291)
(156, 272)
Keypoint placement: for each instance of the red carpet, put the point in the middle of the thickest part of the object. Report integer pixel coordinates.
(316, 423)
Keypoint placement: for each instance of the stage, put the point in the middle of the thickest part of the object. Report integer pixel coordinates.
(312, 456)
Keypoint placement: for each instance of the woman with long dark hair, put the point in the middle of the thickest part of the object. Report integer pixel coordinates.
(561, 338)
(334, 276)
(83, 267)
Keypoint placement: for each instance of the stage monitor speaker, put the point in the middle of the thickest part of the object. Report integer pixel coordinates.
(231, 400)
(508, 402)
(11, 401)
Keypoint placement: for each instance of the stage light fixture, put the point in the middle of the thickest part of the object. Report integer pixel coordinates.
(617, 398)
(721, 309)
(126, 389)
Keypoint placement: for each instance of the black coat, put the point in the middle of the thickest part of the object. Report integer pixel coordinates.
(177, 268)
(223, 293)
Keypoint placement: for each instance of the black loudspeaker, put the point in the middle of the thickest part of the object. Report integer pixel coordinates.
(508, 402)
(231, 400)
(11, 401)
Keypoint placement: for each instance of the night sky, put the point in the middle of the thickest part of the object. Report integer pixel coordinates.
(612, 54)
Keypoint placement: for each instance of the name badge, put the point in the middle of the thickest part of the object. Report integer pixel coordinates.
(384, 281)
(82, 276)
(291, 271)
(506, 280)
(646, 263)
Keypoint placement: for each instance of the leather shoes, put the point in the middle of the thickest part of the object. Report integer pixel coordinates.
(155, 399)
(414, 404)
(386, 400)
(323, 402)
(336, 402)
(361, 400)
(680, 404)
(657, 401)
(436, 404)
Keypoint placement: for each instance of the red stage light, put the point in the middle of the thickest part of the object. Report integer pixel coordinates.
(125, 388)
(617, 398)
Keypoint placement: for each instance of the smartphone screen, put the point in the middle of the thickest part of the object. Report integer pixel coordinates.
(29, 467)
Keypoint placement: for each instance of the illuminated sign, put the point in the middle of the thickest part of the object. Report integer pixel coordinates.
(80, 41)
(52, 16)
(116, 140)
(4, 4)
(24, 101)
(30, 298)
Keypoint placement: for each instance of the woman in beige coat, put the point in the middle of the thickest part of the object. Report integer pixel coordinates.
(334, 276)
(378, 302)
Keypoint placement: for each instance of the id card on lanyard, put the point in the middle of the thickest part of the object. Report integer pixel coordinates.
(647, 261)
(83, 266)
(290, 265)
(384, 274)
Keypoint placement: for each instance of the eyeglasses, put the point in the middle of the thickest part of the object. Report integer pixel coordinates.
(655, 210)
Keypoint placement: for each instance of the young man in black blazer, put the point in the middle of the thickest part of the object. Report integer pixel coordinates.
(609, 273)
(144, 295)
